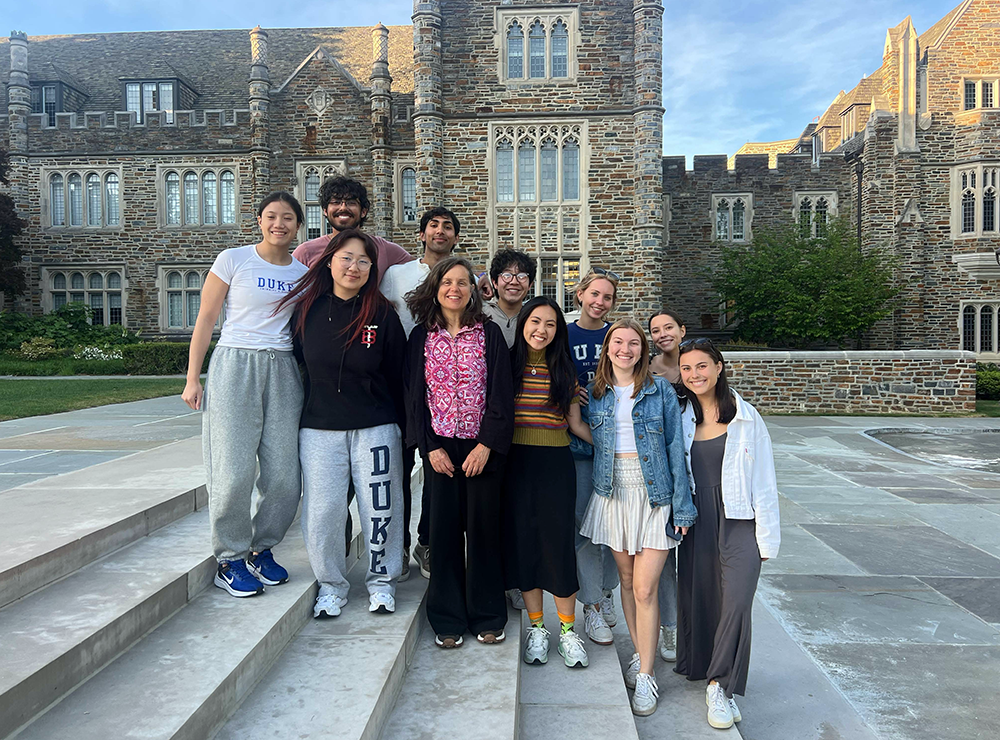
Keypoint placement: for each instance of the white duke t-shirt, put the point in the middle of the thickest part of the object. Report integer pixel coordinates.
(255, 287)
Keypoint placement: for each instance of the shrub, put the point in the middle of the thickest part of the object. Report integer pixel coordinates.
(152, 358)
(67, 327)
(97, 353)
(159, 358)
(987, 382)
(39, 348)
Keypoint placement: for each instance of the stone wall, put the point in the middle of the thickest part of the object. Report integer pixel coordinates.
(902, 382)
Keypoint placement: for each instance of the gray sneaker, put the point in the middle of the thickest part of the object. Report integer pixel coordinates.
(405, 573)
(536, 646)
(595, 626)
(668, 643)
(422, 554)
(516, 599)
(646, 693)
(607, 605)
(720, 715)
(632, 670)
(572, 650)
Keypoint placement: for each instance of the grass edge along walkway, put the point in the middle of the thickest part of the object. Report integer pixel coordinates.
(36, 397)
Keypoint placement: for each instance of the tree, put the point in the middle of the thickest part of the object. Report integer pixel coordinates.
(12, 279)
(790, 290)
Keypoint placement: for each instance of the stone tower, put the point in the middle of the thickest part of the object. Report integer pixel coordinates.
(428, 115)
(381, 104)
(260, 118)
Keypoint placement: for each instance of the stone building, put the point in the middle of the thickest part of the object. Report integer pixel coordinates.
(137, 157)
(922, 134)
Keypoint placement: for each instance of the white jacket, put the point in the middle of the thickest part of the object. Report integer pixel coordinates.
(749, 486)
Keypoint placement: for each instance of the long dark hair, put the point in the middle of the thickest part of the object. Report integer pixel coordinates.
(723, 395)
(422, 300)
(319, 282)
(562, 371)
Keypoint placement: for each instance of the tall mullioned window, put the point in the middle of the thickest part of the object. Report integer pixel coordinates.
(310, 176)
(149, 97)
(100, 289)
(199, 197)
(515, 51)
(180, 288)
(979, 327)
(45, 99)
(731, 217)
(538, 46)
(813, 211)
(974, 200)
(87, 199)
(409, 182)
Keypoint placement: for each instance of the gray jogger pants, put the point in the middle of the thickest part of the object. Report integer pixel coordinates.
(373, 458)
(251, 410)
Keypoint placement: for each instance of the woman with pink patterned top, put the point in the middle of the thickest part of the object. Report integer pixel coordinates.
(460, 414)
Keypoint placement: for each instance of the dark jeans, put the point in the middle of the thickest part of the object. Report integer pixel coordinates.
(466, 585)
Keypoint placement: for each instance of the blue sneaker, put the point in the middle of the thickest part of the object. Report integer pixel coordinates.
(267, 571)
(232, 575)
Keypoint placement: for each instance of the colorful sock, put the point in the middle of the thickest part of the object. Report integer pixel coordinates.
(566, 622)
(536, 619)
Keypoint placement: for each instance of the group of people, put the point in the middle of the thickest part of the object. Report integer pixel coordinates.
(557, 457)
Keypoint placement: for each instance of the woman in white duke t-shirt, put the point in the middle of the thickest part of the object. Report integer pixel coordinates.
(252, 400)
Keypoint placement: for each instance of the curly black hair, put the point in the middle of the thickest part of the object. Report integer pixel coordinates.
(344, 188)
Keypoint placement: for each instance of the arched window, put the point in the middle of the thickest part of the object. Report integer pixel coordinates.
(526, 171)
(173, 187)
(228, 197)
(193, 294)
(739, 220)
(549, 166)
(968, 212)
(560, 50)
(58, 290)
(805, 217)
(209, 199)
(505, 172)
(409, 185)
(114, 298)
(112, 212)
(515, 51)
(183, 298)
(986, 329)
(93, 200)
(722, 220)
(175, 301)
(190, 198)
(75, 183)
(969, 328)
(820, 217)
(536, 50)
(571, 170)
(57, 195)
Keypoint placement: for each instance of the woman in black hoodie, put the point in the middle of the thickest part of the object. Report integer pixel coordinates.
(352, 345)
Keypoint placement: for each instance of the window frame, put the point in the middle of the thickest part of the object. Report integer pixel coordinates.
(979, 82)
(328, 167)
(182, 169)
(814, 195)
(58, 94)
(164, 290)
(992, 353)
(505, 17)
(980, 170)
(748, 211)
(47, 278)
(157, 83)
(403, 163)
(85, 174)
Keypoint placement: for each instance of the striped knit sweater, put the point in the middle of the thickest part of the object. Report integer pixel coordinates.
(536, 421)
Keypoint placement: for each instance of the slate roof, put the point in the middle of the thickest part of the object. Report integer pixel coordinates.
(216, 64)
(770, 148)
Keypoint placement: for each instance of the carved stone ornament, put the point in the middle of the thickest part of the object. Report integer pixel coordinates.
(319, 101)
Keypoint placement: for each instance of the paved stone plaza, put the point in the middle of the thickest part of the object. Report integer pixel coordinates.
(879, 619)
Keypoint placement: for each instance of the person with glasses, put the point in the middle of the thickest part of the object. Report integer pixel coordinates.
(352, 345)
(512, 273)
(251, 401)
(731, 463)
(596, 295)
(345, 206)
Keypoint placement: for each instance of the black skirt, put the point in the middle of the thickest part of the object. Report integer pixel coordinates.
(539, 520)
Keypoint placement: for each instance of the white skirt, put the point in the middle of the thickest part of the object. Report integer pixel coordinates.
(627, 522)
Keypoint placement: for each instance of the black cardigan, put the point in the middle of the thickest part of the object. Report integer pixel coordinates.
(497, 427)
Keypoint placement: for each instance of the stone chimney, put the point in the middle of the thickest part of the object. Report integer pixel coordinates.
(380, 83)
(428, 119)
(260, 120)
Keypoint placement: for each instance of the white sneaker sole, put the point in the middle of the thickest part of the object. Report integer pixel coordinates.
(718, 724)
(540, 659)
(573, 662)
(221, 583)
(643, 712)
(593, 639)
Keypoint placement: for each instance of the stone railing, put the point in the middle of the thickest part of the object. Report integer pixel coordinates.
(897, 382)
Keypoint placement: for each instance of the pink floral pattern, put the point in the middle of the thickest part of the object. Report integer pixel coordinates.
(455, 372)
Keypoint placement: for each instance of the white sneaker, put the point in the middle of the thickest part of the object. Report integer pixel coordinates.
(536, 646)
(381, 603)
(328, 605)
(516, 599)
(720, 716)
(668, 643)
(735, 710)
(572, 650)
(632, 671)
(607, 604)
(646, 693)
(595, 626)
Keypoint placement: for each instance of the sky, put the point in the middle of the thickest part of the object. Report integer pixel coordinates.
(734, 70)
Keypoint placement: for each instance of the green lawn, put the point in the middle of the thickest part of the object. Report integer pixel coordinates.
(19, 398)
(988, 408)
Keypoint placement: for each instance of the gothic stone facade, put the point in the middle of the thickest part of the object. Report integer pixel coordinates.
(138, 157)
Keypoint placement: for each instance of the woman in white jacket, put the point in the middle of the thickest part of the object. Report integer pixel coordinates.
(731, 465)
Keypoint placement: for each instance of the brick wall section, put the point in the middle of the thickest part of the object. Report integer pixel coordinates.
(897, 382)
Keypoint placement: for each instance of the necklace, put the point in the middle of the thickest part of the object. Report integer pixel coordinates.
(534, 367)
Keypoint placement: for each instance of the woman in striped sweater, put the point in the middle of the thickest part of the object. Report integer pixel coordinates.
(540, 481)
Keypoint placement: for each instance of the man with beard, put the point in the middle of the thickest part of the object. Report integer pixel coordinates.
(345, 204)
(439, 229)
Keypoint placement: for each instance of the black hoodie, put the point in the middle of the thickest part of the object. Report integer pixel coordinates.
(356, 385)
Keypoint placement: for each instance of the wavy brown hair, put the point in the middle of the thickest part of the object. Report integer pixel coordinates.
(641, 374)
(422, 300)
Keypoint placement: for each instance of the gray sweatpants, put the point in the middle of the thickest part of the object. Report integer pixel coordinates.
(373, 458)
(250, 420)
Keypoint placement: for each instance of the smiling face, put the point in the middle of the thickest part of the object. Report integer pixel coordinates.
(439, 236)
(455, 290)
(512, 289)
(597, 299)
(540, 327)
(344, 212)
(699, 372)
(278, 223)
(666, 333)
(625, 349)
(350, 268)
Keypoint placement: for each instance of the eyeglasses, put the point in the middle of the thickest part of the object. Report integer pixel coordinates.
(521, 277)
(613, 276)
(364, 264)
(349, 202)
(697, 342)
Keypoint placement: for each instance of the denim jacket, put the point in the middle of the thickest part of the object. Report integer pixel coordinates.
(656, 419)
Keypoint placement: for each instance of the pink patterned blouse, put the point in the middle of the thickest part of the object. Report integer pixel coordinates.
(455, 371)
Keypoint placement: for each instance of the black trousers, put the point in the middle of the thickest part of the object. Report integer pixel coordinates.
(466, 586)
(423, 526)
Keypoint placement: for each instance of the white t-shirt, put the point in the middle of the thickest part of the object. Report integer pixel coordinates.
(400, 280)
(624, 429)
(255, 287)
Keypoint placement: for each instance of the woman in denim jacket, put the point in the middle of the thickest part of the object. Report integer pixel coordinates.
(640, 480)
(732, 467)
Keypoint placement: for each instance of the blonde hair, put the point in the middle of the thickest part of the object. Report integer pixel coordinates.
(585, 282)
(642, 375)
